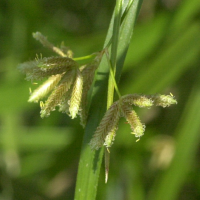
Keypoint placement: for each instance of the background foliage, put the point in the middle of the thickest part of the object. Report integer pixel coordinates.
(39, 157)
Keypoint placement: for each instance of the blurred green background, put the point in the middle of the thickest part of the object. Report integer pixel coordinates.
(39, 157)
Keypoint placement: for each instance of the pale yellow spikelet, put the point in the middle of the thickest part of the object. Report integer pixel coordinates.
(41, 104)
(137, 127)
(107, 125)
(70, 54)
(111, 136)
(56, 96)
(76, 94)
(163, 100)
(45, 88)
(138, 100)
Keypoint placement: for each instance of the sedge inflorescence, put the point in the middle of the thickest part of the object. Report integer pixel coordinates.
(67, 85)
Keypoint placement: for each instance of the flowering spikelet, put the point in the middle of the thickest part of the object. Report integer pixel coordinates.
(163, 100)
(137, 127)
(107, 125)
(88, 73)
(110, 137)
(45, 67)
(56, 96)
(63, 73)
(105, 132)
(88, 76)
(137, 100)
(45, 88)
(43, 40)
(76, 95)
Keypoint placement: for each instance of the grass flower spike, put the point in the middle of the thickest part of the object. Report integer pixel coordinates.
(67, 83)
(131, 116)
(56, 96)
(76, 94)
(45, 67)
(45, 88)
(106, 127)
(88, 73)
(105, 132)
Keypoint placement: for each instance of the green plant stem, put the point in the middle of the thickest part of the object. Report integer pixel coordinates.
(85, 57)
(112, 75)
(114, 47)
(112, 64)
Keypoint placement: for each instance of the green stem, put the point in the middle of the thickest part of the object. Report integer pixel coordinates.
(112, 75)
(112, 63)
(113, 54)
(85, 57)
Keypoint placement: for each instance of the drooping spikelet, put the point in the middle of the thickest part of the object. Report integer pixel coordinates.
(65, 102)
(76, 94)
(163, 100)
(130, 115)
(88, 72)
(88, 75)
(110, 137)
(105, 132)
(107, 125)
(56, 96)
(45, 88)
